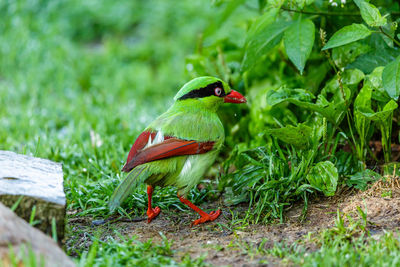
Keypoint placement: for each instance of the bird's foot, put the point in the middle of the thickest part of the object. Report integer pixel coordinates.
(207, 218)
(152, 213)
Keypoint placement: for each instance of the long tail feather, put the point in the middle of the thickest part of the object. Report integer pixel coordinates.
(134, 178)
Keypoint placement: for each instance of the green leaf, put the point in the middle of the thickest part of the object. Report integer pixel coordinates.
(352, 77)
(380, 116)
(324, 176)
(334, 108)
(333, 111)
(389, 36)
(298, 136)
(348, 34)
(370, 14)
(373, 59)
(391, 78)
(261, 23)
(299, 40)
(374, 80)
(363, 99)
(360, 180)
(343, 55)
(290, 95)
(262, 39)
(362, 123)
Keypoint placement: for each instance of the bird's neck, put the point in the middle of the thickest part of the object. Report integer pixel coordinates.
(195, 106)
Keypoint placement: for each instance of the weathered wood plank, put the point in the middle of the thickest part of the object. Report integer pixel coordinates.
(39, 183)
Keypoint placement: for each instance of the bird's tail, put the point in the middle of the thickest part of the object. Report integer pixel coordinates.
(134, 178)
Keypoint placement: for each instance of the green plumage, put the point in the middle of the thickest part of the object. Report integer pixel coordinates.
(188, 119)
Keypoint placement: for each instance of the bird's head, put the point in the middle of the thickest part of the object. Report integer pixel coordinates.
(209, 92)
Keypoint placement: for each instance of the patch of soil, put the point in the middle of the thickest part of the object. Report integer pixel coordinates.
(222, 246)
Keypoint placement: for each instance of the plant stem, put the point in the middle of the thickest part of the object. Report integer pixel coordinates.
(390, 37)
(322, 13)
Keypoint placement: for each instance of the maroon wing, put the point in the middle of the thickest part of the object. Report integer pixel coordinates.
(139, 144)
(170, 147)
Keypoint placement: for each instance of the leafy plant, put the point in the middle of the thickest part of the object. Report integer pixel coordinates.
(322, 81)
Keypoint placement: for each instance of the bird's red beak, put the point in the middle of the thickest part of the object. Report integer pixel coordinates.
(234, 97)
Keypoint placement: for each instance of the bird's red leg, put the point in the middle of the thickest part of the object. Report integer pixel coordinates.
(151, 213)
(205, 217)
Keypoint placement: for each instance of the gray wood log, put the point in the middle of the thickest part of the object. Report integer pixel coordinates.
(23, 239)
(37, 182)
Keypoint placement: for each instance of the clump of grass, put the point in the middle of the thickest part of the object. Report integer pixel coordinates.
(268, 180)
(345, 244)
(132, 252)
(25, 257)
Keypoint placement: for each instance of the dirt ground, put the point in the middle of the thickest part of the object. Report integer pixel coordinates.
(220, 244)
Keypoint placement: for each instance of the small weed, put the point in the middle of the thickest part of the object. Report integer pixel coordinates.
(387, 193)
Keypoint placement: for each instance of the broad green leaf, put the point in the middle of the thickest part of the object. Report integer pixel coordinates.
(363, 99)
(263, 40)
(298, 136)
(287, 94)
(380, 116)
(333, 108)
(360, 180)
(333, 111)
(389, 36)
(375, 58)
(324, 176)
(374, 80)
(370, 14)
(352, 77)
(348, 34)
(261, 23)
(299, 40)
(344, 55)
(391, 78)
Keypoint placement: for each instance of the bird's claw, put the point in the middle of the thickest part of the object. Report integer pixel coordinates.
(152, 213)
(207, 218)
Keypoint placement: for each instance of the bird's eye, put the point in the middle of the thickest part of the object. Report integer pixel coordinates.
(218, 91)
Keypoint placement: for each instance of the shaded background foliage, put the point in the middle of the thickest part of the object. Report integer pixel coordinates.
(80, 80)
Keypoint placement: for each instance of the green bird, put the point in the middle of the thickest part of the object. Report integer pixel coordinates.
(180, 145)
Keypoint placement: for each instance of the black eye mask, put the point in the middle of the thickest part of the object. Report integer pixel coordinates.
(209, 90)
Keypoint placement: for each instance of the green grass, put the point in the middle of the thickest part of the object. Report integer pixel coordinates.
(131, 252)
(24, 257)
(348, 243)
(78, 85)
(80, 80)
